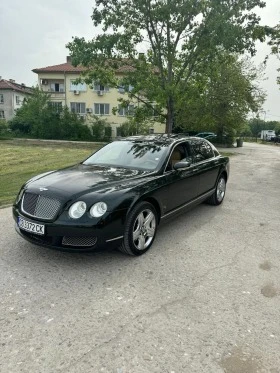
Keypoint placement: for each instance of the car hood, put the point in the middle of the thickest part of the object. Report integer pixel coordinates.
(82, 179)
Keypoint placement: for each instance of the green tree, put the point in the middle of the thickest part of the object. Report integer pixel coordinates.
(257, 125)
(275, 45)
(100, 128)
(134, 126)
(39, 118)
(32, 115)
(176, 34)
(221, 96)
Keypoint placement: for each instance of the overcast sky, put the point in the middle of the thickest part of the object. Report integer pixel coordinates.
(33, 34)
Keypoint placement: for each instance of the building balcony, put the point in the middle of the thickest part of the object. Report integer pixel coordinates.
(57, 95)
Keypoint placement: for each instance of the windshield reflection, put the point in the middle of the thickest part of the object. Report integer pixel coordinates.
(130, 154)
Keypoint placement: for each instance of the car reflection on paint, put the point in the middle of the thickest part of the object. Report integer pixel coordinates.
(120, 194)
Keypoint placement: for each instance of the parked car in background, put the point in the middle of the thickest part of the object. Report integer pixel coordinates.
(275, 139)
(267, 134)
(205, 135)
(120, 194)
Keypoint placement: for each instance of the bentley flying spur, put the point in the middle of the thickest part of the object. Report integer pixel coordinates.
(120, 194)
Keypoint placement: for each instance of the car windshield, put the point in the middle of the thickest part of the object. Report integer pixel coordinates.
(130, 154)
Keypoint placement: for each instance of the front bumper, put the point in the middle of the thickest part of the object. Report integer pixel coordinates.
(72, 236)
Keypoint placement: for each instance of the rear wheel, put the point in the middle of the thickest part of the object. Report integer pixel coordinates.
(140, 229)
(220, 191)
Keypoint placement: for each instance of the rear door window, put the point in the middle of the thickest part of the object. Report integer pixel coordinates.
(201, 151)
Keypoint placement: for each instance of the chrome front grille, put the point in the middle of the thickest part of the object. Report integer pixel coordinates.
(79, 241)
(40, 207)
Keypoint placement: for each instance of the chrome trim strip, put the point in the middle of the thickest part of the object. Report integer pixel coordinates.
(114, 239)
(205, 195)
(22, 209)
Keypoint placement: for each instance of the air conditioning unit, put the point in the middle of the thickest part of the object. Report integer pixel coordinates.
(76, 92)
(100, 93)
(89, 110)
(44, 81)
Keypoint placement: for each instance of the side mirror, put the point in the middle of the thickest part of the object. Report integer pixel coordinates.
(181, 164)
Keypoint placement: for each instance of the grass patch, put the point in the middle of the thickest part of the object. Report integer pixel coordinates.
(18, 163)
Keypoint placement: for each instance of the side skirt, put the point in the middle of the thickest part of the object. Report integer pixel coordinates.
(188, 205)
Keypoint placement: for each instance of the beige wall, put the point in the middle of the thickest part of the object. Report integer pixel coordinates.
(89, 97)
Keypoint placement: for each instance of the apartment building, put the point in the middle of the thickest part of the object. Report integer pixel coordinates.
(59, 81)
(12, 95)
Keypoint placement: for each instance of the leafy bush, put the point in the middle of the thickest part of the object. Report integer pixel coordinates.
(100, 128)
(133, 126)
(4, 129)
(37, 118)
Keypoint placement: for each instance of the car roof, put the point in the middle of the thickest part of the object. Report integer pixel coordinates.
(159, 138)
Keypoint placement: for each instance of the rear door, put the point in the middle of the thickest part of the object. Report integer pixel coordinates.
(182, 184)
(206, 163)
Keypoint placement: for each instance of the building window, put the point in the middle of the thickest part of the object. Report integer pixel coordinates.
(101, 109)
(123, 88)
(56, 106)
(100, 87)
(126, 111)
(2, 114)
(78, 107)
(57, 87)
(81, 87)
(1, 98)
(151, 130)
(17, 100)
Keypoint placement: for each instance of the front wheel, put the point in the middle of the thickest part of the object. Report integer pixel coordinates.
(140, 229)
(219, 194)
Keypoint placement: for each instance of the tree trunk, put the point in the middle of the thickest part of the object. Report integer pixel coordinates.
(170, 116)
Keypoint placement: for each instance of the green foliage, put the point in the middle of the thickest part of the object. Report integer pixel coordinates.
(5, 132)
(38, 119)
(257, 125)
(178, 36)
(135, 127)
(100, 128)
(3, 127)
(221, 96)
(275, 45)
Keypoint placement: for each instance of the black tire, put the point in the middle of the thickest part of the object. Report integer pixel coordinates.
(140, 229)
(220, 191)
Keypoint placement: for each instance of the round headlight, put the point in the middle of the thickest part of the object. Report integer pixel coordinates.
(98, 209)
(77, 210)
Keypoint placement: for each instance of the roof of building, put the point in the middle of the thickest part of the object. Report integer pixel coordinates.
(12, 85)
(67, 67)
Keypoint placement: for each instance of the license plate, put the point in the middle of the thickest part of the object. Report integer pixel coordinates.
(31, 227)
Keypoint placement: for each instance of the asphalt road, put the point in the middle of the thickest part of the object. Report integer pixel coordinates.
(205, 298)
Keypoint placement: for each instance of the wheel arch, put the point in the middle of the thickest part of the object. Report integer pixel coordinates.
(156, 205)
(223, 172)
(153, 201)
